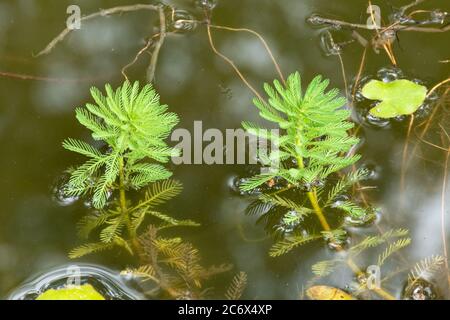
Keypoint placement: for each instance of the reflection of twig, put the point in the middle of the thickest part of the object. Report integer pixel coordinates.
(101, 13)
(444, 191)
(40, 78)
(162, 35)
(404, 158)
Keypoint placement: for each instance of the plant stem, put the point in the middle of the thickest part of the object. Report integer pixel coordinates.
(312, 195)
(137, 248)
(379, 291)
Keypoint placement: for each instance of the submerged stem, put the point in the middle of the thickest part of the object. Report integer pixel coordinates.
(312, 195)
(137, 248)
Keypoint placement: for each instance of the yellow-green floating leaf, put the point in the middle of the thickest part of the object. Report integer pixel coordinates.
(399, 97)
(84, 292)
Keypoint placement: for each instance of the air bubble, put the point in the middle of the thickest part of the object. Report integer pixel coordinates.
(421, 290)
(438, 16)
(182, 22)
(59, 194)
(376, 121)
(329, 47)
(106, 282)
(206, 4)
(389, 74)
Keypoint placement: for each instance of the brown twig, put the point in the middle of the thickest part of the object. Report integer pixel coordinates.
(263, 41)
(334, 22)
(404, 158)
(155, 55)
(140, 52)
(358, 76)
(231, 63)
(101, 13)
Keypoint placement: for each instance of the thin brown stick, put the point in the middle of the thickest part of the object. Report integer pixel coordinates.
(263, 41)
(437, 86)
(358, 76)
(409, 6)
(334, 22)
(231, 63)
(404, 158)
(101, 13)
(427, 126)
(155, 55)
(344, 76)
(140, 52)
(443, 193)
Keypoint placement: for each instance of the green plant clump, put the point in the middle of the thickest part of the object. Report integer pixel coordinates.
(315, 137)
(129, 125)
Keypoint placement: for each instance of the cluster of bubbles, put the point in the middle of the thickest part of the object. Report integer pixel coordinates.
(106, 282)
(63, 199)
(59, 194)
(206, 4)
(421, 290)
(180, 21)
(433, 17)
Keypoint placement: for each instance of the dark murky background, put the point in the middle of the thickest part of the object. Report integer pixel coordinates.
(36, 231)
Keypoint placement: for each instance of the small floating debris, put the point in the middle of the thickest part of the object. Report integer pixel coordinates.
(206, 4)
(327, 293)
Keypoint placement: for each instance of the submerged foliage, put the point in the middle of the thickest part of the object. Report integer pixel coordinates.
(315, 138)
(393, 241)
(173, 269)
(132, 125)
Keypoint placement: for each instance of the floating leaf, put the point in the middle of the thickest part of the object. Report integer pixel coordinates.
(84, 292)
(327, 293)
(399, 97)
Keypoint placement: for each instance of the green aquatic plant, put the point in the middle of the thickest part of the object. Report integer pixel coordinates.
(172, 268)
(315, 138)
(129, 126)
(399, 97)
(393, 241)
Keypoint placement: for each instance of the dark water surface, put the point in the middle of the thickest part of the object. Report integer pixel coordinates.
(37, 231)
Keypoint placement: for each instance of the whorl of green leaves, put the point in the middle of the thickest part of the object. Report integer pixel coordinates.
(314, 128)
(133, 124)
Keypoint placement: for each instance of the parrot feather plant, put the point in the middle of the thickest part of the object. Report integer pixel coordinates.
(313, 148)
(130, 125)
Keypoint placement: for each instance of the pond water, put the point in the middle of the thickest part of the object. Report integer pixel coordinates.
(37, 228)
